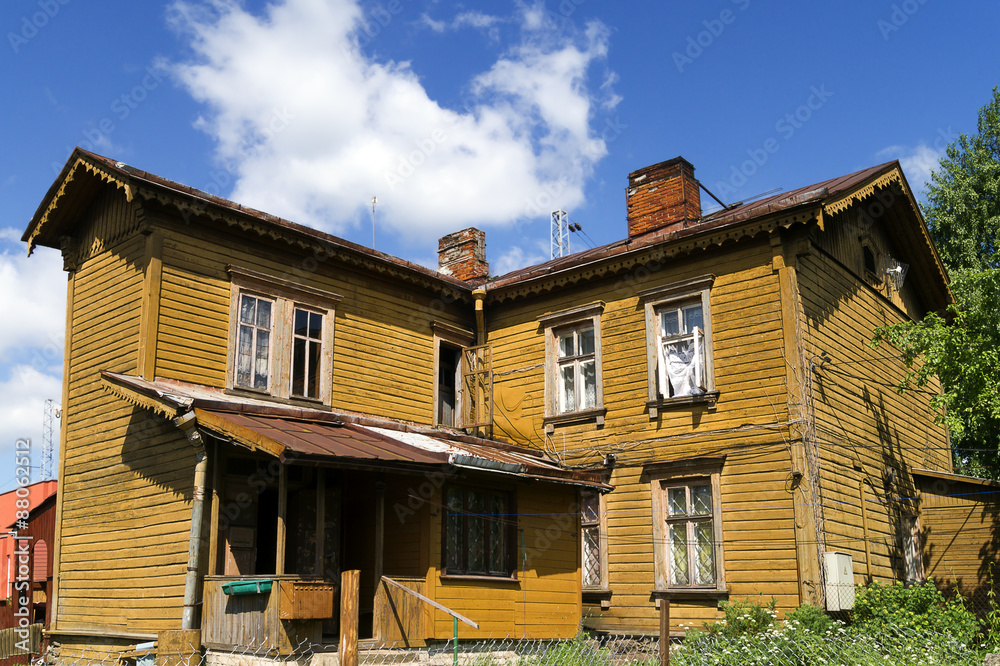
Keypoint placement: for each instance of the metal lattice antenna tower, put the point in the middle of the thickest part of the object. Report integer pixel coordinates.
(51, 414)
(560, 233)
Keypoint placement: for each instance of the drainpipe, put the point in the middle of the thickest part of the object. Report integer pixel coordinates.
(480, 296)
(186, 422)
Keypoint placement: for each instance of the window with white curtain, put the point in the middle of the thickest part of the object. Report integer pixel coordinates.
(680, 368)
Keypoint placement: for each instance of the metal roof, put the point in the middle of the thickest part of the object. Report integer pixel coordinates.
(337, 438)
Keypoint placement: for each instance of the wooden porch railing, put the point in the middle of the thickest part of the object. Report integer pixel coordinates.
(280, 619)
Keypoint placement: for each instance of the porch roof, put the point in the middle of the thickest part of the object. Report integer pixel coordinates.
(293, 433)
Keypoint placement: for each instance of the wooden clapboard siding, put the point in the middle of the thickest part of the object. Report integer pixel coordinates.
(383, 342)
(545, 600)
(842, 240)
(125, 483)
(750, 374)
(863, 425)
(959, 527)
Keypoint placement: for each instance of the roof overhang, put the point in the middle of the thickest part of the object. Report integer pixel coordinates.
(306, 436)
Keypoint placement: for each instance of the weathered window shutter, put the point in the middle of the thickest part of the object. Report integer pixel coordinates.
(477, 388)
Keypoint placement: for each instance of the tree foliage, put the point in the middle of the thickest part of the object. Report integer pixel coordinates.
(963, 197)
(963, 349)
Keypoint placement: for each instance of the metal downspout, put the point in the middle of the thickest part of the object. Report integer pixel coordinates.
(186, 422)
(480, 296)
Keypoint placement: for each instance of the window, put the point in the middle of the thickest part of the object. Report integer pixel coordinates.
(690, 535)
(573, 385)
(594, 544)
(687, 527)
(253, 353)
(576, 373)
(913, 556)
(449, 341)
(479, 535)
(679, 361)
(680, 350)
(307, 347)
(281, 339)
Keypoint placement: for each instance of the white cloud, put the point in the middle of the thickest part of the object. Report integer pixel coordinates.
(470, 19)
(23, 396)
(917, 163)
(311, 127)
(516, 257)
(32, 305)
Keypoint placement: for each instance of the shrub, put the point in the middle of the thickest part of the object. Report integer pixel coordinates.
(743, 617)
(918, 607)
(812, 619)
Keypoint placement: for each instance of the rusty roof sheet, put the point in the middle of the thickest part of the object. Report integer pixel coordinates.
(340, 437)
(818, 192)
(134, 176)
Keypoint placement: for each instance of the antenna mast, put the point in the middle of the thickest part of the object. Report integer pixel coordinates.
(374, 201)
(51, 414)
(560, 233)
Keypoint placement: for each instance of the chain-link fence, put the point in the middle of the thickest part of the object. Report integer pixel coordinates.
(786, 646)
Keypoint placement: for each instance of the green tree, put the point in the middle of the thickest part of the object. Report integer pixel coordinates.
(963, 349)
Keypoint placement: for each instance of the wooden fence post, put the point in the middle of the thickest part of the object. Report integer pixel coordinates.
(349, 592)
(664, 632)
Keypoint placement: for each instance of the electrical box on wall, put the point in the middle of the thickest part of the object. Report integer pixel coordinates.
(839, 570)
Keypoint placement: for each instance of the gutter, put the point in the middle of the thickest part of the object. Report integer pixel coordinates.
(186, 422)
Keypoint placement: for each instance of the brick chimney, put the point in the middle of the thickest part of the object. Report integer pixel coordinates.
(663, 196)
(463, 254)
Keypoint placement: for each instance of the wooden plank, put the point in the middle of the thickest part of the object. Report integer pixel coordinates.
(349, 589)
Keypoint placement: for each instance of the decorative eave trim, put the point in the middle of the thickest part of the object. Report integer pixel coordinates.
(167, 405)
(669, 248)
(60, 193)
(896, 177)
(861, 193)
(322, 250)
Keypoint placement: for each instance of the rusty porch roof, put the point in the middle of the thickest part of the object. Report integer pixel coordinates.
(339, 438)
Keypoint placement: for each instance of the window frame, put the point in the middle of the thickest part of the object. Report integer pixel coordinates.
(454, 336)
(911, 548)
(696, 290)
(552, 325)
(508, 525)
(601, 524)
(286, 297)
(662, 477)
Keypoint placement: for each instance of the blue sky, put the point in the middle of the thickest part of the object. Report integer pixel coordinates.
(457, 114)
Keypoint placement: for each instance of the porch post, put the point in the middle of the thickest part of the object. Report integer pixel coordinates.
(321, 522)
(279, 558)
(379, 530)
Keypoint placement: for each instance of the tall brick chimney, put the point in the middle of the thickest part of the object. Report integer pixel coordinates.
(463, 254)
(663, 196)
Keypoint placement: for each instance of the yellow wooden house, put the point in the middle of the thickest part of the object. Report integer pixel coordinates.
(716, 369)
(252, 407)
(337, 408)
